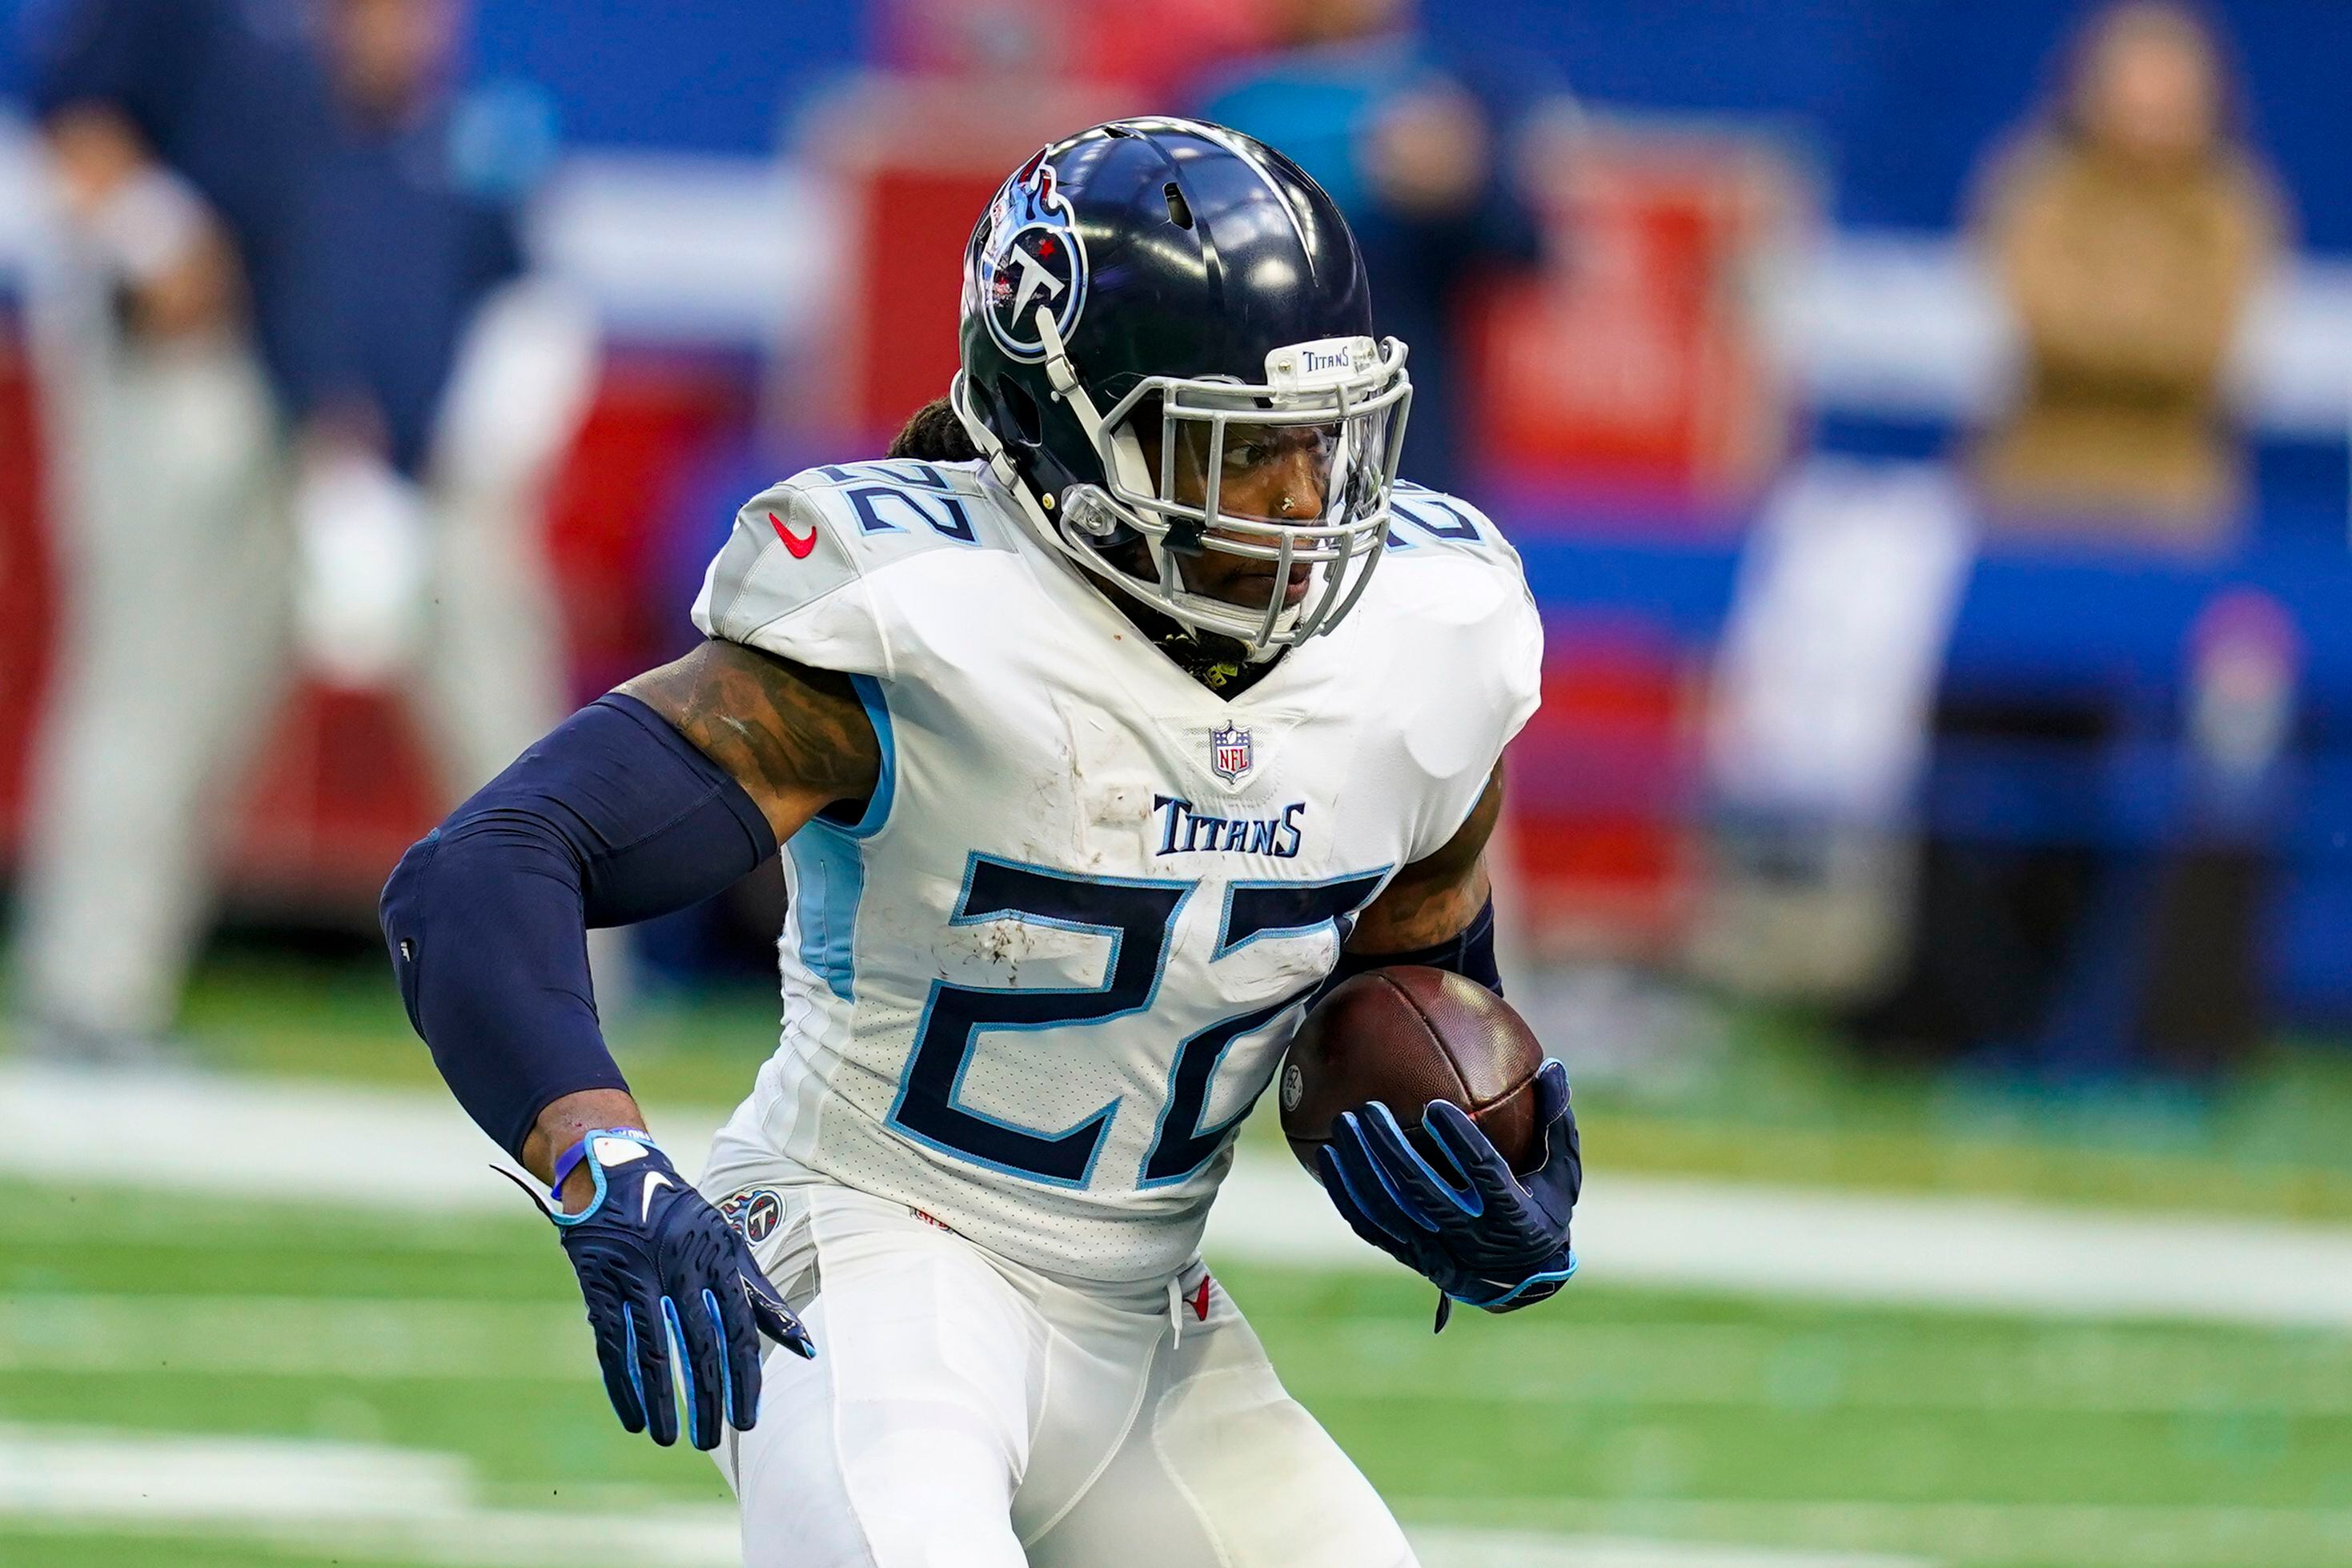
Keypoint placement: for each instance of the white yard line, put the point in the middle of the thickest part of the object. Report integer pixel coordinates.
(261, 1137)
(1980, 1253)
(426, 1508)
(1440, 1548)
(343, 1338)
(346, 1495)
(379, 1148)
(422, 1505)
(2084, 1535)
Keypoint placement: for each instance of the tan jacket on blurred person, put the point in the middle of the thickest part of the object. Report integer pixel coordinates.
(2129, 242)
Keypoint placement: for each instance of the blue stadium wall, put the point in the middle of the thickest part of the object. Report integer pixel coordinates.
(1900, 97)
(1897, 97)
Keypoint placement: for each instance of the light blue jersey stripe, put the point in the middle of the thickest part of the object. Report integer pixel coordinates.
(829, 862)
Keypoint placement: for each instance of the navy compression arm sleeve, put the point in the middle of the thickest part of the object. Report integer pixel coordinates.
(614, 818)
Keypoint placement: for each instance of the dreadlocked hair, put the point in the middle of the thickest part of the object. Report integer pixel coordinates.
(935, 436)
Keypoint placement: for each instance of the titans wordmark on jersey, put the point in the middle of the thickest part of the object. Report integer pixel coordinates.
(1034, 988)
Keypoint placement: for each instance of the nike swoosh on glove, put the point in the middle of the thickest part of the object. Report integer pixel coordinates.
(660, 1266)
(1481, 1235)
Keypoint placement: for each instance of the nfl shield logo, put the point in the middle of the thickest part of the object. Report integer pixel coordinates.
(1229, 752)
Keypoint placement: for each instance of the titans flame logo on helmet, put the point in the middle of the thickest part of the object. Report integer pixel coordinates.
(1029, 254)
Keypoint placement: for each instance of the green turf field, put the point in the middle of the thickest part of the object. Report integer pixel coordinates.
(1960, 1440)
(442, 1365)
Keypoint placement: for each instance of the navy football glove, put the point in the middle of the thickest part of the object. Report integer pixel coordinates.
(1481, 1235)
(660, 1266)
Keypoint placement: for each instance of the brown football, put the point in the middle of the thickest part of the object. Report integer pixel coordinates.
(1407, 1035)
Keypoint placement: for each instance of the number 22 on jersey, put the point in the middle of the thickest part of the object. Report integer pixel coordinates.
(1139, 917)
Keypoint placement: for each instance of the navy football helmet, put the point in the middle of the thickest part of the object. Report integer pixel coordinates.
(1175, 274)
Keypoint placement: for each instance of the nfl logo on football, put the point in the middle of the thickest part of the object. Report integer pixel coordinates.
(1229, 753)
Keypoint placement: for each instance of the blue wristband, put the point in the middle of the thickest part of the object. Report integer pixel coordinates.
(565, 1163)
(572, 1159)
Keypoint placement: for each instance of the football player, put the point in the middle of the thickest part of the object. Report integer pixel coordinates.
(1096, 746)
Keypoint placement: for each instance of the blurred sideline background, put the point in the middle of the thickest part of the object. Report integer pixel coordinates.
(1926, 428)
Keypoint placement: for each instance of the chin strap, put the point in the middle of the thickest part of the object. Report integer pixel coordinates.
(1126, 453)
(1037, 507)
(1000, 456)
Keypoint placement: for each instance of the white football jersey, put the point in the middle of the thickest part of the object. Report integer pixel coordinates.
(1033, 989)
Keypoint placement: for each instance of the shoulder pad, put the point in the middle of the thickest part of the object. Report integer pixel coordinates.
(805, 572)
(1422, 519)
(900, 507)
(1451, 588)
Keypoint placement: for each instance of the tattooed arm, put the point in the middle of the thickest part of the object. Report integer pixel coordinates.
(1438, 897)
(646, 801)
(643, 802)
(796, 740)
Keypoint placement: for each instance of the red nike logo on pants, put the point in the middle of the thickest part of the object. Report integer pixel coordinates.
(798, 546)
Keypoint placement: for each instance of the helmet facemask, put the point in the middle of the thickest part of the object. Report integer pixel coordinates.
(1350, 397)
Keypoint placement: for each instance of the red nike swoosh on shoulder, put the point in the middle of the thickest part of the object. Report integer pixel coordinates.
(793, 542)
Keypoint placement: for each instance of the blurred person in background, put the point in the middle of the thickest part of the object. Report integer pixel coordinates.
(1416, 146)
(274, 366)
(2128, 235)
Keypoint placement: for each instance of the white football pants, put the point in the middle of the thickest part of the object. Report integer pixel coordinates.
(965, 1412)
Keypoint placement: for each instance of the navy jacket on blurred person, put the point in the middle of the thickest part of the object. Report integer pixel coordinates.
(1414, 147)
(389, 263)
(365, 247)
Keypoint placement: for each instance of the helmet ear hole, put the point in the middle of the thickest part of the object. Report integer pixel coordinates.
(1017, 402)
(1179, 212)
